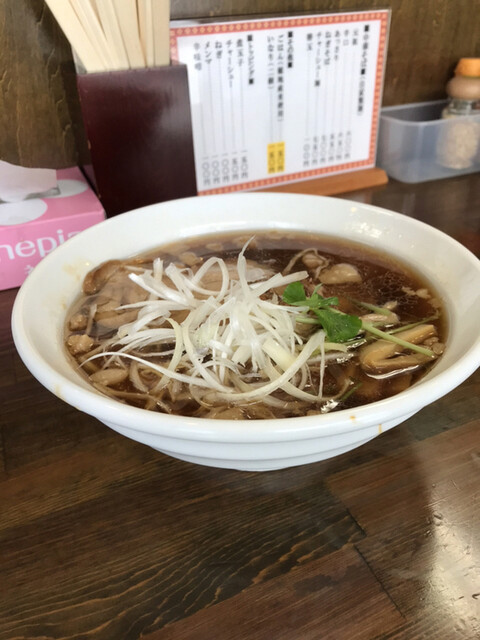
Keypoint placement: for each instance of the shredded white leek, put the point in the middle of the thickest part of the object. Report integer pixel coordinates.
(229, 340)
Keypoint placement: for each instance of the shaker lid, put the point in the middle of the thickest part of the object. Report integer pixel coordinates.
(468, 67)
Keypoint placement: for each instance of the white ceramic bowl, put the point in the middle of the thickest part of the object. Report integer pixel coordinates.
(39, 312)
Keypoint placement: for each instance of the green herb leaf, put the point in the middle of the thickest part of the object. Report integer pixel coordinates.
(294, 294)
(324, 303)
(339, 327)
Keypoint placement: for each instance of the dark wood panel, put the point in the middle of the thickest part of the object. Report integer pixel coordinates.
(40, 118)
(331, 599)
(190, 538)
(444, 603)
(104, 538)
(391, 493)
(414, 524)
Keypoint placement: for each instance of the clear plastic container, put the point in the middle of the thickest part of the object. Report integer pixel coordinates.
(414, 139)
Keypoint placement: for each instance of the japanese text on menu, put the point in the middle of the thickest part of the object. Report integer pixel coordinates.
(282, 100)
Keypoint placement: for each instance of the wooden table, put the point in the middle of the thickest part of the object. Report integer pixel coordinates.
(102, 538)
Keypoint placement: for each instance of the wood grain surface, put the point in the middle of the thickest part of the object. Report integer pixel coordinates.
(102, 538)
(40, 117)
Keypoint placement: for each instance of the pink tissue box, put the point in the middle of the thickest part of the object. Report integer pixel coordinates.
(34, 227)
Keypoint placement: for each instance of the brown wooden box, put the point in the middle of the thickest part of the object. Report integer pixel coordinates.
(139, 131)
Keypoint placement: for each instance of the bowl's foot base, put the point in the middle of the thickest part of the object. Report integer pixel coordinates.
(264, 465)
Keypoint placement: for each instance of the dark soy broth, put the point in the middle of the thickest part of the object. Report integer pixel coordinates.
(386, 294)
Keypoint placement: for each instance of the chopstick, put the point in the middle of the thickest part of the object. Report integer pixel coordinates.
(77, 36)
(127, 16)
(145, 20)
(161, 31)
(87, 16)
(115, 34)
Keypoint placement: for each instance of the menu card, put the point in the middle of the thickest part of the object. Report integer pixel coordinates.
(285, 99)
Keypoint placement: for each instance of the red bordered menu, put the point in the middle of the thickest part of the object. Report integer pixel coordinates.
(282, 100)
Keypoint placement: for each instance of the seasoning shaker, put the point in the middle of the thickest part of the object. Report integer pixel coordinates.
(459, 143)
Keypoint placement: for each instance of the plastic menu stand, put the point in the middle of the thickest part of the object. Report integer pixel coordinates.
(139, 131)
